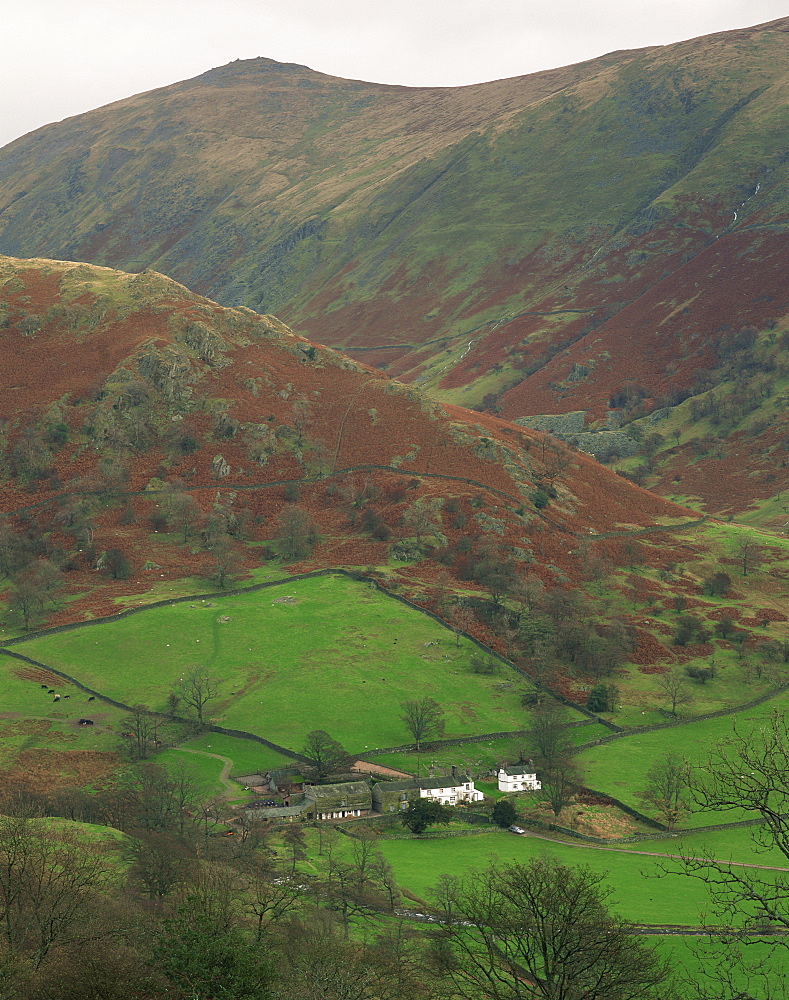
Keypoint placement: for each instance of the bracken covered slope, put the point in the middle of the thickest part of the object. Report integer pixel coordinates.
(139, 417)
(549, 240)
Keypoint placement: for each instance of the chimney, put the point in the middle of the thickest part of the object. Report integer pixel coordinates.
(454, 771)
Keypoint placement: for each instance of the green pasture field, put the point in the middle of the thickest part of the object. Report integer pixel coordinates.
(473, 757)
(479, 757)
(619, 768)
(642, 698)
(691, 957)
(247, 755)
(203, 770)
(722, 845)
(197, 757)
(729, 533)
(642, 892)
(29, 719)
(326, 653)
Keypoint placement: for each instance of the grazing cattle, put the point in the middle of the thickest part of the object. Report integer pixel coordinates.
(45, 686)
(92, 698)
(51, 691)
(86, 722)
(56, 698)
(66, 696)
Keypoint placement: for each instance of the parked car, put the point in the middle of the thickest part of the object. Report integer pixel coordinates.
(517, 829)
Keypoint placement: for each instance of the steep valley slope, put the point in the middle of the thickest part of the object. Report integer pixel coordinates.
(194, 439)
(575, 240)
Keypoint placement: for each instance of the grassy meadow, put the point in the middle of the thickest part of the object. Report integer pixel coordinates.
(619, 768)
(333, 653)
(324, 653)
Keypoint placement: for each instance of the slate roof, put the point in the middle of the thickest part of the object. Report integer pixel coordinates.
(345, 788)
(397, 786)
(275, 812)
(446, 782)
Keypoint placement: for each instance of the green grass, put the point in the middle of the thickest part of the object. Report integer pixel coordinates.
(247, 756)
(203, 770)
(642, 698)
(473, 757)
(478, 757)
(33, 721)
(640, 890)
(620, 767)
(342, 657)
(195, 757)
(691, 958)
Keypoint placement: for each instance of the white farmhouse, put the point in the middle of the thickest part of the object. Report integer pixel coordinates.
(449, 791)
(518, 779)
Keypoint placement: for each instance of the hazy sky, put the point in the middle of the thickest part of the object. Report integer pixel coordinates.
(62, 57)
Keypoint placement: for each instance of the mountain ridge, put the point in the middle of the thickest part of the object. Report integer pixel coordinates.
(536, 245)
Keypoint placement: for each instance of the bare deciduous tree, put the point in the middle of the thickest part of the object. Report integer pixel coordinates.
(424, 719)
(747, 771)
(542, 930)
(668, 781)
(298, 534)
(325, 755)
(675, 689)
(47, 876)
(196, 688)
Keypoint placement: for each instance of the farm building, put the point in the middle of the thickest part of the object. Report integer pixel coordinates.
(449, 791)
(519, 778)
(394, 796)
(349, 798)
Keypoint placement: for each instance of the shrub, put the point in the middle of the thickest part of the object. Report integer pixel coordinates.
(540, 499)
(602, 698)
(689, 629)
(117, 564)
(504, 813)
(483, 665)
(725, 627)
(700, 674)
(717, 584)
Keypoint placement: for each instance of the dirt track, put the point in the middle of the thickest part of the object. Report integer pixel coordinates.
(653, 854)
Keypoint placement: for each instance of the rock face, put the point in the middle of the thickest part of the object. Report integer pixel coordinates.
(559, 424)
(219, 467)
(571, 427)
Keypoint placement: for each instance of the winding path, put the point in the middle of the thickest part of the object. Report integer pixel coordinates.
(653, 854)
(224, 776)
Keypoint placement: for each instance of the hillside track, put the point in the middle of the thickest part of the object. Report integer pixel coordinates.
(654, 854)
(224, 775)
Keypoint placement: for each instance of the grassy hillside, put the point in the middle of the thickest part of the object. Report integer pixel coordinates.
(156, 444)
(617, 219)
